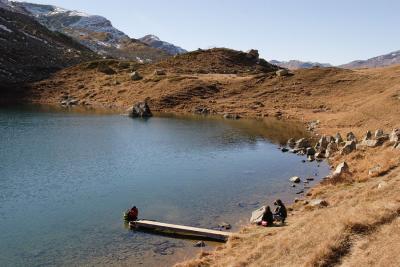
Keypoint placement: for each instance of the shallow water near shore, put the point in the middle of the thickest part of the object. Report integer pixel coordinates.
(67, 177)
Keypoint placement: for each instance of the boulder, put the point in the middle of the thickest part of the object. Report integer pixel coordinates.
(141, 110)
(282, 72)
(158, 72)
(338, 139)
(310, 151)
(331, 149)
(318, 203)
(374, 170)
(257, 215)
(349, 147)
(311, 158)
(319, 155)
(135, 76)
(351, 137)
(341, 170)
(105, 69)
(302, 143)
(368, 135)
(322, 144)
(291, 143)
(378, 133)
(253, 54)
(395, 135)
(370, 142)
(382, 185)
(295, 179)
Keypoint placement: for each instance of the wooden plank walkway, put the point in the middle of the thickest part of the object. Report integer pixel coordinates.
(181, 229)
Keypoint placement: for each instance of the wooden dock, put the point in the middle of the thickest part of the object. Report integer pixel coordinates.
(181, 229)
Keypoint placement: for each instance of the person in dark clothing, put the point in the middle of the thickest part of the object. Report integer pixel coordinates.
(280, 211)
(133, 214)
(267, 218)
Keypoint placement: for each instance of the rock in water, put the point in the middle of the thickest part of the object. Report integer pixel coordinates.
(295, 179)
(141, 110)
(200, 244)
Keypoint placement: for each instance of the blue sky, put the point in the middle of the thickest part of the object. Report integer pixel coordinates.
(313, 30)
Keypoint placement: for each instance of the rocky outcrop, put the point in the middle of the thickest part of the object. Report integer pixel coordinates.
(349, 147)
(135, 76)
(140, 110)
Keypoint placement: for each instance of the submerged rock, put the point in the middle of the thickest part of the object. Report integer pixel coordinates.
(141, 110)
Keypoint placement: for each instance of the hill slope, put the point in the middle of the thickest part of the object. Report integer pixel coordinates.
(389, 59)
(95, 32)
(29, 51)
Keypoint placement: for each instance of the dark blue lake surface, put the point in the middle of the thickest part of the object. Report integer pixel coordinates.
(66, 178)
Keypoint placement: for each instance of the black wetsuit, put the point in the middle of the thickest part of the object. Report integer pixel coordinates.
(268, 217)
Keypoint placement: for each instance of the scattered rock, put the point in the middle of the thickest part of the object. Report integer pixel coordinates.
(322, 144)
(318, 203)
(69, 101)
(351, 137)
(310, 179)
(319, 155)
(201, 110)
(310, 151)
(295, 179)
(382, 185)
(300, 192)
(340, 170)
(376, 169)
(338, 139)
(284, 149)
(370, 142)
(159, 72)
(331, 149)
(200, 244)
(311, 158)
(103, 68)
(312, 125)
(368, 135)
(231, 116)
(291, 143)
(302, 143)
(395, 135)
(349, 147)
(378, 133)
(293, 185)
(282, 72)
(135, 76)
(225, 226)
(140, 109)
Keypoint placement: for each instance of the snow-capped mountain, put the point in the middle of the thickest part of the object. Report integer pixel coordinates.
(95, 32)
(297, 64)
(155, 42)
(29, 51)
(375, 62)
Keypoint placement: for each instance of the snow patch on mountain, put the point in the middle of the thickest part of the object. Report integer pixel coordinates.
(155, 42)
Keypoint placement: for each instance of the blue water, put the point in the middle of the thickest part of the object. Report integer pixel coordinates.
(66, 178)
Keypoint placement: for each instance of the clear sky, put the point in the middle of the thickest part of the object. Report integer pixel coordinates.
(334, 31)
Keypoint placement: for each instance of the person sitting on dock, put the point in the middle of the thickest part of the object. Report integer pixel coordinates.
(267, 219)
(280, 211)
(133, 214)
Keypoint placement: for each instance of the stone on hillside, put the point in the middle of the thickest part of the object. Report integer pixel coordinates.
(159, 72)
(338, 139)
(349, 147)
(395, 135)
(378, 133)
(370, 143)
(295, 179)
(282, 72)
(331, 149)
(375, 170)
(141, 110)
(351, 137)
(322, 144)
(318, 203)
(340, 170)
(252, 54)
(105, 69)
(368, 135)
(135, 76)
